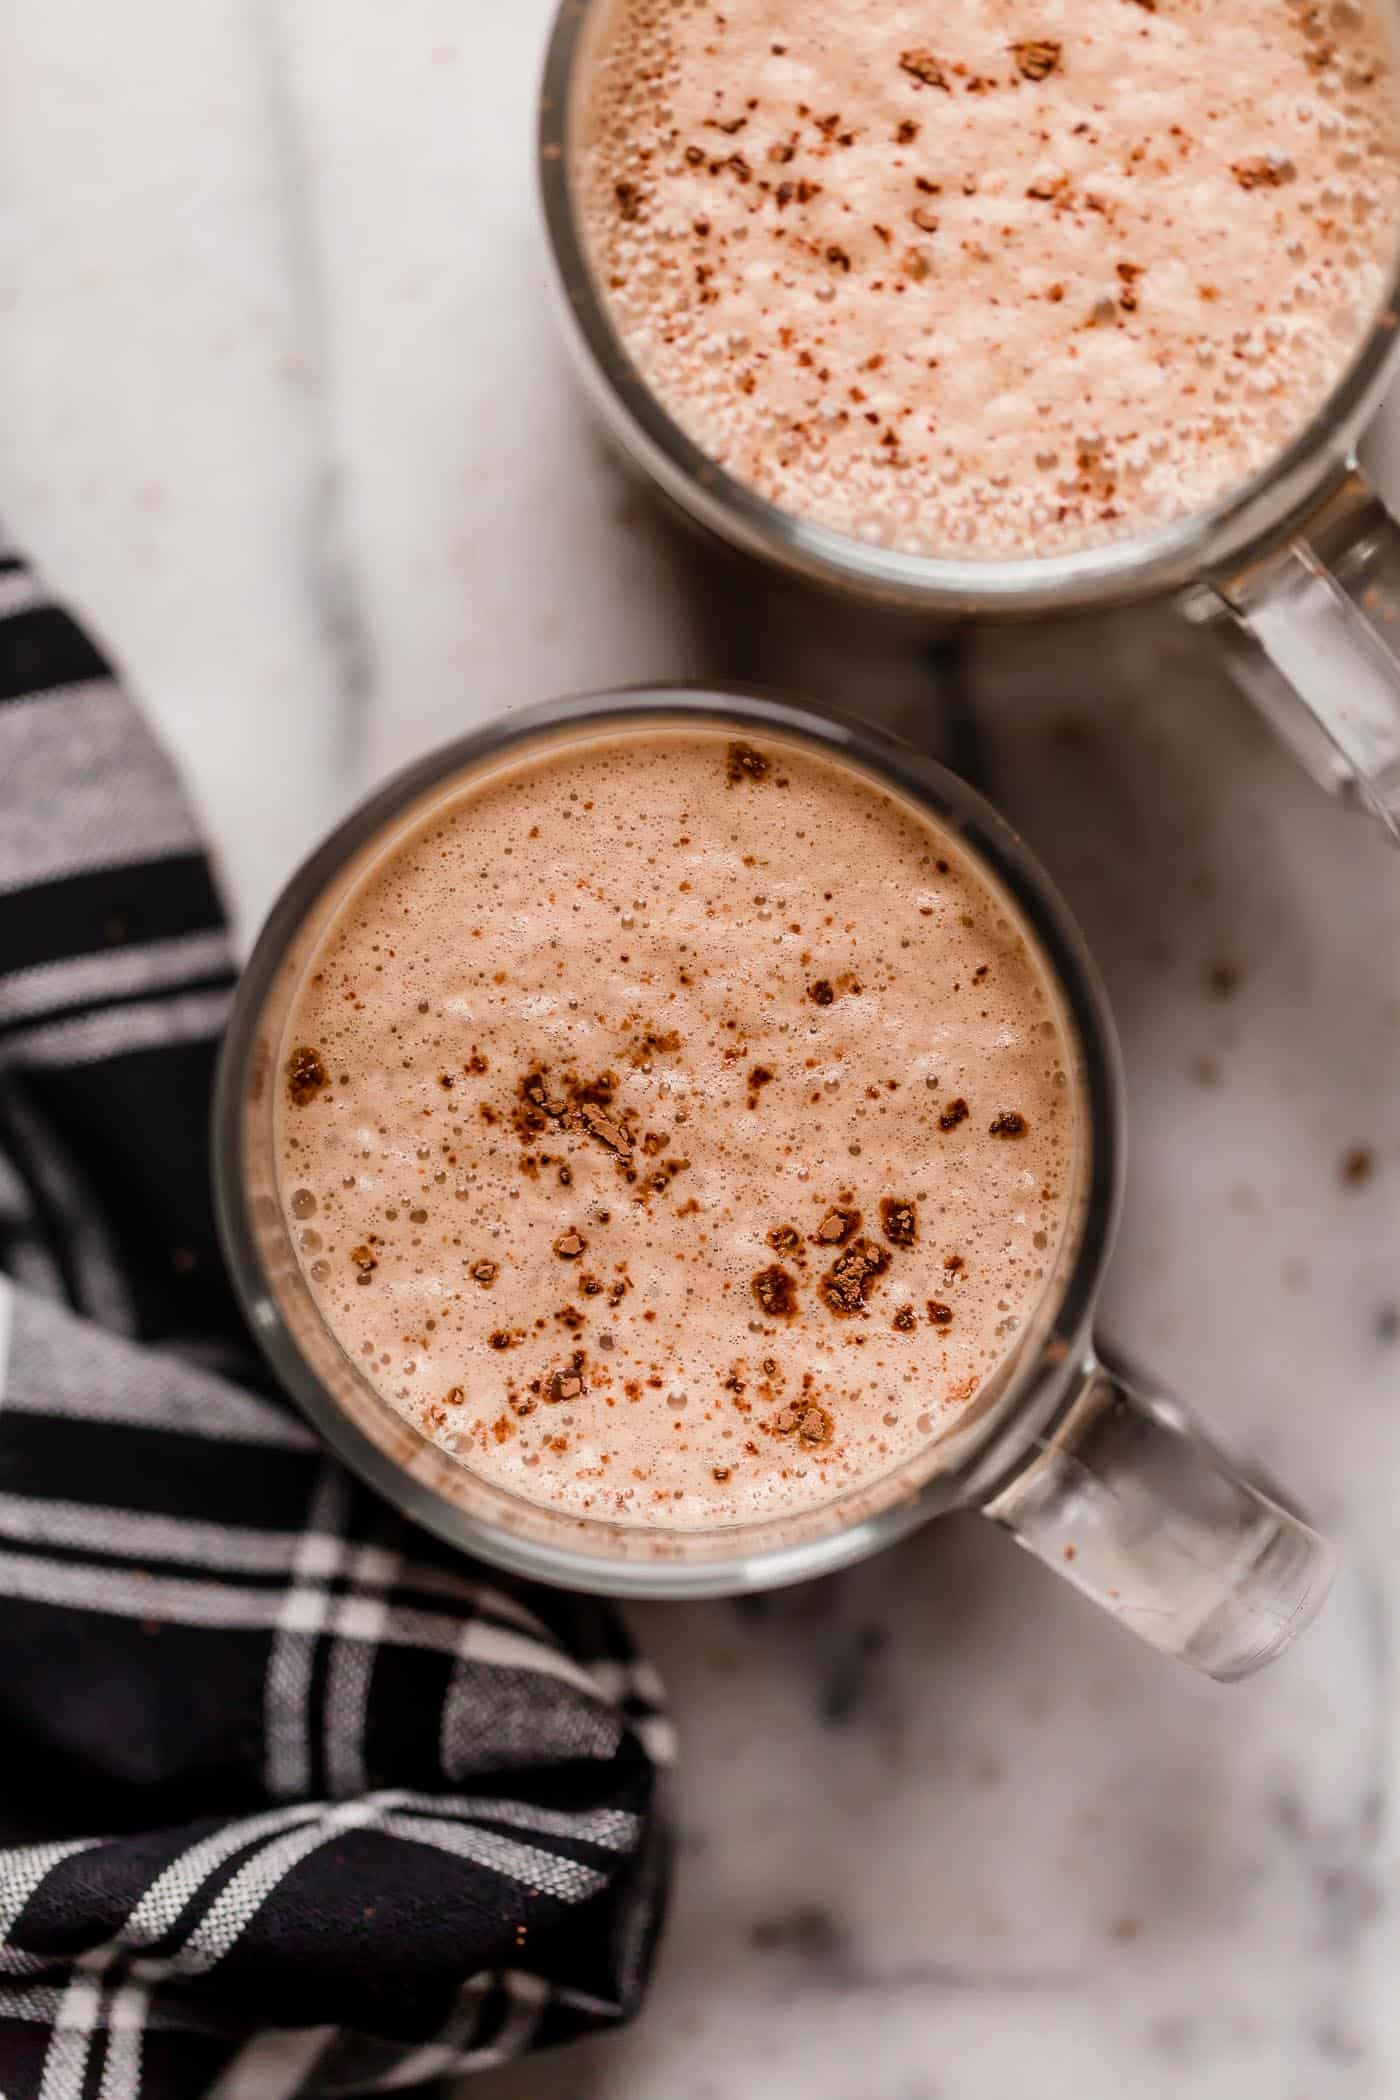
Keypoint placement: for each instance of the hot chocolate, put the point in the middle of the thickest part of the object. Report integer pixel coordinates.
(997, 279)
(676, 1128)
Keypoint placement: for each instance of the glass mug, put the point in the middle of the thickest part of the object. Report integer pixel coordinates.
(1297, 571)
(1110, 1485)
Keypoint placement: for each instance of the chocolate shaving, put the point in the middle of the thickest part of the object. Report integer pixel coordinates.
(742, 762)
(610, 1131)
(956, 1112)
(939, 1314)
(1008, 1125)
(570, 1245)
(306, 1075)
(822, 992)
(485, 1273)
(837, 1227)
(1262, 173)
(899, 1221)
(1036, 57)
(905, 1319)
(785, 1239)
(921, 65)
(848, 1282)
(776, 1291)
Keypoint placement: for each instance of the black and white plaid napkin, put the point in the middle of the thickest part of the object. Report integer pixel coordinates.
(292, 1800)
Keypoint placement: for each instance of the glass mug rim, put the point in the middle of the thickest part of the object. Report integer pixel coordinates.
(1225, 536)
(1037, 1388)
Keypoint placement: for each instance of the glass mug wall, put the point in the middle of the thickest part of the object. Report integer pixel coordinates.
(1109, 1485)
(1297, 571)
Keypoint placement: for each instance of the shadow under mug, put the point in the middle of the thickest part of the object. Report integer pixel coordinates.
(1297, 572)
(1111, 1486)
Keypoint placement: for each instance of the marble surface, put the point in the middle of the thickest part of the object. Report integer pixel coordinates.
(285, 415)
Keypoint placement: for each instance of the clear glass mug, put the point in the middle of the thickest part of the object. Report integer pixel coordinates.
(1298, 571)
(1110, 1485)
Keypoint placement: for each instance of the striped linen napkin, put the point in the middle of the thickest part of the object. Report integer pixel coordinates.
(294, 1801)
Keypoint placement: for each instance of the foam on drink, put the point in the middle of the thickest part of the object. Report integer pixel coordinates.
(678, 1130)
(991, 278)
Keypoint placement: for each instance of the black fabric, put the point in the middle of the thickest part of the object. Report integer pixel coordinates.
(295, 1800)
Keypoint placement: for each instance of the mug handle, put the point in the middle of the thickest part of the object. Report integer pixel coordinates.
(1312, 633)
(1129, 1500)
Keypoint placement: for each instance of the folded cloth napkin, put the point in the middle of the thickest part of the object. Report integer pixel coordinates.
(292, 1799)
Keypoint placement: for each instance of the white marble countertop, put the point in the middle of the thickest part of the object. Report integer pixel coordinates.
(284, 413)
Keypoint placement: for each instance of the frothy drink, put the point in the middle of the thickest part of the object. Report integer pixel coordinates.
(991, 277)
(676, 1129)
